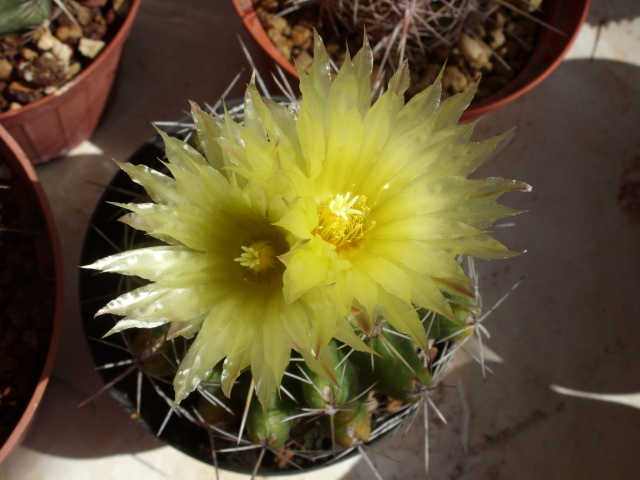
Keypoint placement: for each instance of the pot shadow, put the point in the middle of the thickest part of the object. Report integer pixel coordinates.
(573, 322)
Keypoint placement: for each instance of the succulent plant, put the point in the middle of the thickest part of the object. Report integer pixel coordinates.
(305, 278)
(17, 15)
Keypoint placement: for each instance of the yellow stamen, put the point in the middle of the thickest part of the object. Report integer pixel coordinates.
(341, 205)
(259, 256)
(340, 223)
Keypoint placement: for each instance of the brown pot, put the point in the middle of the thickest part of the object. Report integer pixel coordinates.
(28, 194)
(48, 128)
(564, 15)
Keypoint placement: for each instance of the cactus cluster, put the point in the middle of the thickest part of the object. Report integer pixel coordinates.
(304, 275)
(309, 421)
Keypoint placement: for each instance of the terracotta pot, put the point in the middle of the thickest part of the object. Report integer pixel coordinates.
(564, 15)
(28, 194)
(48, 128)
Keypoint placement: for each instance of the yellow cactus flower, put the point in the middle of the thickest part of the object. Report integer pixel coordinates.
(278, 230)
(218, 274)
(385, 206)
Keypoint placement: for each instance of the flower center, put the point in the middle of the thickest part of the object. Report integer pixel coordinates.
(259, 257)
(339, 222)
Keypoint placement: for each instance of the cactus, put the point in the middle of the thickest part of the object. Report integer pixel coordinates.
(17, 15)
(242, 238)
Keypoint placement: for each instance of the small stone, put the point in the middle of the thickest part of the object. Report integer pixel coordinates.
(69, 33)
(62, 33)
(75, 32)
(82, 14)
(90, 48)
(22, 93)
(304, 60)
(279, 24)
(5, 69)
(500, 18)
(63, 52)
(302, 37)
(74, 69)
(28, 54)
(121, 7)
(394, 405)
(282, 43)
(46, 41)
(496, 38)
(45, 70)
(474, 52)
(454, 80)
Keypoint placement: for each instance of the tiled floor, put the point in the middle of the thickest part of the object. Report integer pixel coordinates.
(573, 322)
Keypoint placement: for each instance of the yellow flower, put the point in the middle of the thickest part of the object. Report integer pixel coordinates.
(302, 224)
(384, 206)
(218, 275)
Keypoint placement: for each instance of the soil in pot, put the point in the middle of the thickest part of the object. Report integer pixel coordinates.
(489, 39)
(40, 61)
(27, 299)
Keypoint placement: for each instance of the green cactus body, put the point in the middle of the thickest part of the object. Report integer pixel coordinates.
(17, 15)
(152, 350)
(322, 393)
(214, 407)
(397, 369)
(269, 426)
(350, 426)
(465, 311)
